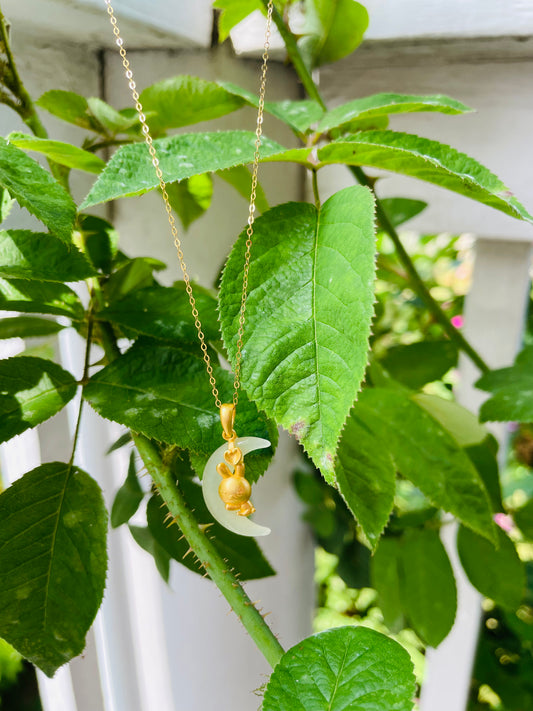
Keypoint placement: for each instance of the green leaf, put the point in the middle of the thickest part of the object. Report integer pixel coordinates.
(332, 30)
(416, 364)
(233, 12)
(122, 441)
(427, 455)
(27, 327)
(6, 203)
(128, 498)
(185, 100)
(31, 391)
(512, 391)
(523, 517)
(400, 210)
(427, 160)
(386, 104)
(164, 313)
(191, 198)
(484, 457)
(130, 170)
(112, 120)
(462, 424)
(308, 315)
(136, 273)
(41, 256)
(346, 669)
(366, 478)
(385, 576)
(59, 152)
(428, 591)
(241, 553)
(240, 178)
(164, 393)
(144, 538)
(35, 189)
(101, 241)
(498, 573)
(39, 297)
(69, 107)
(53, 561)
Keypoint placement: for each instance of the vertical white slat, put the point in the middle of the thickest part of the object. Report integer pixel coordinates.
(494, 322)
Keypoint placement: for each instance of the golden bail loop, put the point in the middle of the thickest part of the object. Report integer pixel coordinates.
(227, 419)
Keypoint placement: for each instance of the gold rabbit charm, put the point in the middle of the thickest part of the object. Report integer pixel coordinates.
(234, 489)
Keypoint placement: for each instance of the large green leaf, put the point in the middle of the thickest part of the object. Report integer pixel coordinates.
(59, 152)
(41, 256)
(31, 391)
(28, 327)
(332, 30)
(164, 313)
(35, 189)
(427, 160)
(462, 424)
(426, 454)
(241, 553)
(385, 104)
(416, 364)
(184, 100)
(39, 297)
(511, 389)
(68, 106)
(130, 170)
(345, 669)
(428, 591)
(385, 576)
(164, 393)
(308, 315)
(366, 477)
(523, 518)
(498, 573)
(128, 498)
(53, 561)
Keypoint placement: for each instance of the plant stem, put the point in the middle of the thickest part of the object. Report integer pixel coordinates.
(84, 378)
(207, 554)
(314, 181)
(415, 279)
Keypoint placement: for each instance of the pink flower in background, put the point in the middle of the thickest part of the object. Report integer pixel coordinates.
(504, 521)
(457, 321)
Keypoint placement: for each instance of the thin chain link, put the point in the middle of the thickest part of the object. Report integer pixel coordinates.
(171, 220)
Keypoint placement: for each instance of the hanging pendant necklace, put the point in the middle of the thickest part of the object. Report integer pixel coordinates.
(225, 488)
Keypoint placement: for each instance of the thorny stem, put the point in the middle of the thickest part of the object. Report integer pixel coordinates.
(415, 279)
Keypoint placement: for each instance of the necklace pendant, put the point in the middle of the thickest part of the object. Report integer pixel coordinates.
(226, 490)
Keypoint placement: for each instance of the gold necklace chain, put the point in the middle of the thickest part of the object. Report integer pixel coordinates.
(171, 220)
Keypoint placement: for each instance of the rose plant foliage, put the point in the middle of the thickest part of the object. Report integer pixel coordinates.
(363, 421)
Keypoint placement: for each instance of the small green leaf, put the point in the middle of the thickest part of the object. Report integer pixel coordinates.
(39, 297)
(385, 577)
(164, 393)
(164, 313)
(484, 457)
(111, 119)
(498, 573)
(366, 478)
(416, 364)
(233, 12)
(240, 178)
(401, 210)
(6, 203)
(347, 668)
(428, 591)
(144, 538)
(101, 241)
(41, 256)
(512, 391)
(31, 391)
(128, 498)
(523, 517)
(241, 553)
(130, 170)
(27, 327)
(307, 328)
(59, 152)
(35, 189)
(462, 424)
(69, 107)
(386, 104)
(191, 198)
(136, 273)
(427, 455)
(427, 160)
(122, 441)
(53, 561)
(185, 100)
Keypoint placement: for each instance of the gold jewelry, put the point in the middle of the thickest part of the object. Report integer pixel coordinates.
(234, 490)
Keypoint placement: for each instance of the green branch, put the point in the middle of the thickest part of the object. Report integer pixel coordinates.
(207, 554)
(415, 279)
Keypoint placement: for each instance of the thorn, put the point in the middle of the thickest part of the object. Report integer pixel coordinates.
(181, 537)
(169, 515)
(266, 614)
(172, 523)
(187, 553)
